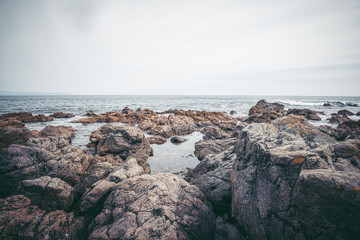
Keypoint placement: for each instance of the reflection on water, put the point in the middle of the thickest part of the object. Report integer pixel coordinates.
(173, 158)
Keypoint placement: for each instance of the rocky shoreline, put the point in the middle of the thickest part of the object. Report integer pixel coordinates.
(271, 175)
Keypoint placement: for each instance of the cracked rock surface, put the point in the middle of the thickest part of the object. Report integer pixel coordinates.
(290, 183)
(160, 206)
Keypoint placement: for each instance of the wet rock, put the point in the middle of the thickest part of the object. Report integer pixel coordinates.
(154, 206)
(101, 189)
(90, 113)
(337, 118)
(307, 113)
(48, 193)
(11, 135)
(232, 112)
(177, 139)
(264, 111)
(62, 115)
(204, 148)
(226, 231)
(21, 220)
(12, 123)
(212, 133)
(326, 104)
(156, 140)
(349, 129)
(123, 141)
(51, 131)
(358, 114)
(26, 117)
(345, 112)
(212, 177)
(290, 184)
(51, 156)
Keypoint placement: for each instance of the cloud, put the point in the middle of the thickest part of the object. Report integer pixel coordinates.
(180, 47)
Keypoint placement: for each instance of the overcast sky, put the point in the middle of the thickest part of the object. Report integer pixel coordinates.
(180, 47)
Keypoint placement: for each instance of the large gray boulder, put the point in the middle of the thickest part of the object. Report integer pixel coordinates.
(160, 206)
(290, 183)
(53, 157)
(48, 193)
(124, 141)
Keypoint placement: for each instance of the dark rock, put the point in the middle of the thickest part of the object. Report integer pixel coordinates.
(232, 112)
(62, 115)
(11, 135)
(226, 231)
(307, 113)
(90, 113)
(290, 184)
(156, 140)
(264, 111)
(358, 114)
(204, 148)
(48, 193)
(154, 206)
(21, 220)
(26, 117)
(177, 139)
(326, 104)
(345, 113)
(349, 129)
(212, 133)
(212, 177)
(337, 118)
(123, 141)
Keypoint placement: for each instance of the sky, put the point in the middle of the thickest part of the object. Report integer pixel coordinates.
(116, 47)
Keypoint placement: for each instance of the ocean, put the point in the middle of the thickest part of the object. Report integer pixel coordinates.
(167, 157)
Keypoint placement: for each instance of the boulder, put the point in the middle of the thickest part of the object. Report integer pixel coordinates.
(26, 117)
(212, 133)
(167, 126)
(124, 141)
(307, 113)
(345, 112)
(289, 183)
(21, 220)
(264, 111)
(89, 113)
(154, 206)
(177, 139)
(51, 156)
(232, 112)
(337, 118)
(212, 177)
(204, 148)
(11, 123)
(62, 115)
(51, 131)
(10, 135)
(48, 193)
(227, 231)
(101, 189)
(156, 140)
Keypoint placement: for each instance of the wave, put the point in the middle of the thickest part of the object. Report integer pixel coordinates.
(332, 103)
(343, 104)
(299, 103)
